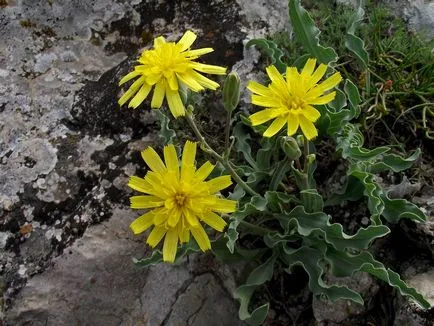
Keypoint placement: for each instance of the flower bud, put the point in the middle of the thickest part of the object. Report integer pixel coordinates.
(290, 147)
(231, 91)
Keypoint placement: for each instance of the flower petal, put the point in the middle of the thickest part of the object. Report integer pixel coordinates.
(264, 116)
(307, 127)
(153, 160)
(318, 90)
(293, 124)
(175, 103)
(204, 171)
(170, 246)
(159, 41)
(132, 90)
(309, 67)
(257, 88)
(188, 154)
(275, 126)
(174, 216)
(187, 40)
(156, 235)
(214, 221)
(193, 54)
(158, 97)
(323, 99)
(141, 202)
(276, 77)
(129, 76)
(139, 184)
(183, 233)
(140, 96)
(171, 159)
(203, 81)
(142, 223)
(188, 80)
(219, 183)
(224, 205)
(310, 113)
(201, 237)
(317, 75)
(267, 101)
(208, 69)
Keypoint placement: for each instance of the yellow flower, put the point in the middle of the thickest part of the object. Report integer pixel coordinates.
(289, 100)
(180, 200)
(165, 67)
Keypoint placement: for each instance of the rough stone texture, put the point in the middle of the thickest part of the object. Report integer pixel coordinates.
(343, 310)
(95, 283)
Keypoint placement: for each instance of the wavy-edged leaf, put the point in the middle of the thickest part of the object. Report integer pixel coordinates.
(373, 192)
(318, 224)
(312, 200)
(353, 96)
(308, 34)
(345, 264)
(256, 204)
(394, 162)
(257, 277)
(352, 190)
(271, 50)
(310, 259)
(165, 133)
(242, 145)
(396, 209)
(354, 43)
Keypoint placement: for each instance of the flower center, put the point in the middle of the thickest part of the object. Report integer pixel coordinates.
(295, 103)
(180, 199)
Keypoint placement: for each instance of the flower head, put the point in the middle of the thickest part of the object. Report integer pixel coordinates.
(288, 100)
(180, 199)
(166, 66)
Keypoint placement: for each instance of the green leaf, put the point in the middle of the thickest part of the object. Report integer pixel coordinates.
(353, 190)
(272, 50)
(279, 173)
(311, 200)
(242, 136)
(374, 193)
(310, 259)
(318, 225)
(165, 133)
(256, 204)
(277, 200)
(257, 277)
(339, 102)
(157, 256)
(308, 34)
(353, 98)
(354, 43)
(394, 162)
(351, 142)
(396, 209)
(345, 264)
(221, 251)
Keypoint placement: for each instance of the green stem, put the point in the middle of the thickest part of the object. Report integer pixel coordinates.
(207, 148)
(258, 230)
(227, 134)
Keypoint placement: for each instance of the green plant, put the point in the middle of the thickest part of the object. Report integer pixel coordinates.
(280, 221)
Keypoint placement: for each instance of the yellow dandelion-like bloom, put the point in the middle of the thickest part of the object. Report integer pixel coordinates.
(165, 67)
(180, 200)
(288, 100)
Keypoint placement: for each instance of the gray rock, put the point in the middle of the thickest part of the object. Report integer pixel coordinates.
(343, 310)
